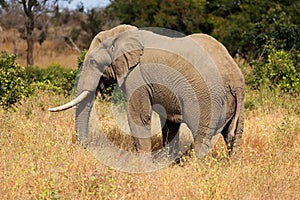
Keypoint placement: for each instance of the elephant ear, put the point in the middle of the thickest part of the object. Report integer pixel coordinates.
(126, 51)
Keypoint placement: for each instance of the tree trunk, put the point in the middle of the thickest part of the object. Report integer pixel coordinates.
(29, 28)
(30, 44)
(30, 38)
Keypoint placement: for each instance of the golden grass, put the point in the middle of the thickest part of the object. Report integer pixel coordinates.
(51, 51)
(40, 161)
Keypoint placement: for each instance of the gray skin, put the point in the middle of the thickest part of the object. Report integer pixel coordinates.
(190, 80)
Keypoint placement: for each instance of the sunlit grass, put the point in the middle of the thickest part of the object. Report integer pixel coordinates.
(40, 160)
(51, 51)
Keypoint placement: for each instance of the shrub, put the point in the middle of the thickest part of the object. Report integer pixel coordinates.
(278, 71)
(80, 59)
(16, 82)
(54, 78)
(13, 83)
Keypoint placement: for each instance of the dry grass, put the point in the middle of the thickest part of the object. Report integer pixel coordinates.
(51, 51)
(40, 161)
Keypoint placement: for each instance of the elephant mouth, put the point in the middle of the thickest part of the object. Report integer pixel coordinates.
(72, 103)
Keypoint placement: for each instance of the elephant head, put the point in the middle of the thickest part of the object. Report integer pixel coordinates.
(111, 55)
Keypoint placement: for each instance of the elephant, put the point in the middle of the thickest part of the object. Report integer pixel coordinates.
(191, 80)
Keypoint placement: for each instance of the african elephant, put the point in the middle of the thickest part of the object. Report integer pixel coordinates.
(190, 80)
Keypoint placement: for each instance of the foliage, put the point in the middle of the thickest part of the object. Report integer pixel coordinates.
(245, 27)
(13, 83)
(93, 22)
(181, 15)
(16, 82)
(278, 71)
(80, 59)
(93, 25)
(274, 27)
(32, 12)
(54, 78)
(3, 3)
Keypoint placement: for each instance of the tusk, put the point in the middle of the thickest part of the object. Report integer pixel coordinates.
(72, 103)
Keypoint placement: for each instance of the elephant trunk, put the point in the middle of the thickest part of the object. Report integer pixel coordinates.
(88, 81)
(85, 96)
(84, 103)
(82, 116)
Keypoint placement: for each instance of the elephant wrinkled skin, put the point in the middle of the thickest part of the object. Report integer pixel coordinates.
(190, 80)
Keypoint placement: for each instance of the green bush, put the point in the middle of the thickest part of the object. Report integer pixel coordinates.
(16, 82)
(54, 78)
(13, 82)
(80, 59)
(277, 71)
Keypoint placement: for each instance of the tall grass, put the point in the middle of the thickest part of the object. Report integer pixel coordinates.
(41, 160)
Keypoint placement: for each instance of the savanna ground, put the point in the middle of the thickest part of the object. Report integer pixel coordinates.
(41, 160)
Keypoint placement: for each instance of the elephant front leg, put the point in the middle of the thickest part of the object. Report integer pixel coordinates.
(140, 127)
(202, 144)
(139, 118)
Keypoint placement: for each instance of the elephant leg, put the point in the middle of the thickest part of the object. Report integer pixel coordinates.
(238, 135)
(233, 135)
(240, 126)
(142, 145)
(139, 118)
(232, 132)
(228, 138)
(202, 144)
(170, 135)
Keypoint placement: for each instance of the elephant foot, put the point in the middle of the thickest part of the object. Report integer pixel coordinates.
(203, 151)
(83, 142)
(173, 152)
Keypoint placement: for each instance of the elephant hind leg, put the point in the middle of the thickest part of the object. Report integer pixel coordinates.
(228, 136)
(233, 130)
(233, 138)
(237, 143)
(170, 136)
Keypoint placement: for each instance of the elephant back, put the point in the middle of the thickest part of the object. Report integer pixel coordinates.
(229, 70)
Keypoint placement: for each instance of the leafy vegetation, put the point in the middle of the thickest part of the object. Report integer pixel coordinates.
(278, 71)
(16, 82)
(54, 77)
(13, 83)
(80, 59)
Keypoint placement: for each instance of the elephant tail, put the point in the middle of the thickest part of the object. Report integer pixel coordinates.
(238, 115)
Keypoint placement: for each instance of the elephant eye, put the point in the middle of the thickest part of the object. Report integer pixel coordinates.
(92, 61)
(113, 48)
